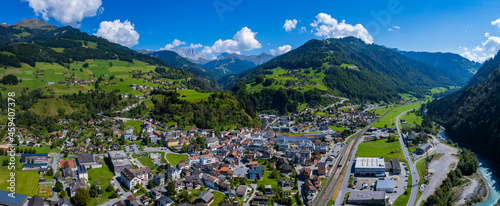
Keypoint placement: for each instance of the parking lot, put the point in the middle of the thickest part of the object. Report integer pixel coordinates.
(400, 183)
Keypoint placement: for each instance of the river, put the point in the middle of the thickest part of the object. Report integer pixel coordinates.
(488, 175)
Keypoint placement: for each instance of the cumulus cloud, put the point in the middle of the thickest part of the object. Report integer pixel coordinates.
(303, 30)
(393, 28)
(475, 56)
(290, 25)
(496, 23)
(243, 40)
(119, 32)
(328, 27)
(483, 52)
(174, 43)
(194, 46)
(281, 50)
(67, 12)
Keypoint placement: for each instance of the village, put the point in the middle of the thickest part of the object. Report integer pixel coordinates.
(286, 161)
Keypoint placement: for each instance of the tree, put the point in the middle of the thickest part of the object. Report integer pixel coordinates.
(59, 187)
(171, 188)
(10, 80)
(65, 165)
(85, 65)
(63, 194)
(110, 188)
(82, 196)
(58, 174)
(50, 172)
(94, 191)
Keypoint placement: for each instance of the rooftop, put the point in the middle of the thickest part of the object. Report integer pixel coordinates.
(366, 195)
(370, 162)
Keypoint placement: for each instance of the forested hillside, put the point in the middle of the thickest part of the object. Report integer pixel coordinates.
(471, 115)
(352, 68)
(447, 62)
(173, 59)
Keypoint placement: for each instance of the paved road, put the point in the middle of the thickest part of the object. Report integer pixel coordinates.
(335, 173)
(254, 186)
(413, 168)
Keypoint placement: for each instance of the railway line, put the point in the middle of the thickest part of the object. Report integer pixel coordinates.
(340, 165)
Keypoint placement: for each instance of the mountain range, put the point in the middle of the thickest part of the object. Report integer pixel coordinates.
(449, 62)
(224, 64)
(358, 70)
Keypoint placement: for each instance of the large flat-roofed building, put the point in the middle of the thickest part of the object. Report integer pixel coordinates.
(385, 185)
(19, 199)
(367, 198)
(370, 166)
(119, 161)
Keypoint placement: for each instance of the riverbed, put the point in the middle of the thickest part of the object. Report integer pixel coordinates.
(489, 177)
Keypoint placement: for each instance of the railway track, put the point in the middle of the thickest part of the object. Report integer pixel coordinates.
(333, 177)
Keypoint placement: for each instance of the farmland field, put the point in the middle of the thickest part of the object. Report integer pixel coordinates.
(381, 148)
(390, 118)
(26, 182)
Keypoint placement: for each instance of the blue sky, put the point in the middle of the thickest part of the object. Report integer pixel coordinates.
(459, 26)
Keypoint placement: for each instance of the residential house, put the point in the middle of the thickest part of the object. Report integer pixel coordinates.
(130, 178)
(173, 173)
(256, 173)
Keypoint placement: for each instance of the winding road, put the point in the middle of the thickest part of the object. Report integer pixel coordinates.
(413, 168)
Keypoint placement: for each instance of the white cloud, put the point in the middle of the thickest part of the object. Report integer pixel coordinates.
(194, 46)
(118, 32)
(496, 23)
(328, 27)
(290, 25)
(243, 40)
(393, 28)
(303, 30)
(485, 51)
(67, 12)
(281, 50)
(492, 43)
(174, 43)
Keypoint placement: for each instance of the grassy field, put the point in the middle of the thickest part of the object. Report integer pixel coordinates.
(133, 123)
(18, 164)
(412, 119)
(306, 79)
(26, 182)
(50, 107)
(192, 95)
(38, 149)
(337, 128)
(98, 68)
(100, 176)
(268, 181)
(438, 90)
(174, 159)
(146, 161)
(218, 197)
(381, 148)
(390, 118)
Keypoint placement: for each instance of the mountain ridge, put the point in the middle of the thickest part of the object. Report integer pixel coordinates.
(376, 73)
